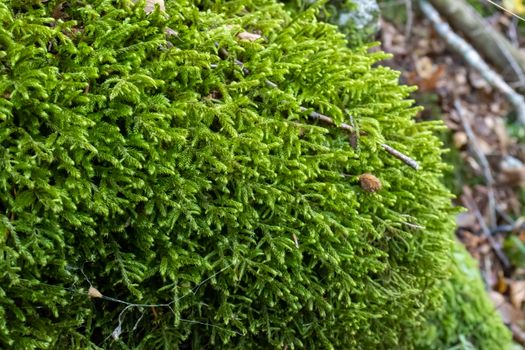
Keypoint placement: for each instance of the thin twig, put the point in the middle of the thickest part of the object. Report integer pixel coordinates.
(354, 135)
(513, 32)
(516, 226)
(474, 59)
(471, 204)
(410, 19)
(491, 197)
(511, 60)
(241, 64)
(513, 36)
(482, 161)
(326, 119)
(494, 245)
(513, 64)
(504, 229)
(403, 157)
(313, 114)
(271, 84)
(503, 215)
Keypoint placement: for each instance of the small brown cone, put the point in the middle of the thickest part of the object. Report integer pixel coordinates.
(369, 183)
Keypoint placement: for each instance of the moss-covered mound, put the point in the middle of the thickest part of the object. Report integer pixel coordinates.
(171, 162)
(467, 320)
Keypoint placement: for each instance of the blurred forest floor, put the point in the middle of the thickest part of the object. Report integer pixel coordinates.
(486, 143)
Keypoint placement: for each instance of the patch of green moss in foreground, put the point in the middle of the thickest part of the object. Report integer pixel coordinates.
(156, 168)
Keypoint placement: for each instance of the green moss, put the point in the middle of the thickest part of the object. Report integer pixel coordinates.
(153, 167)
(357, 19)
(469, 320)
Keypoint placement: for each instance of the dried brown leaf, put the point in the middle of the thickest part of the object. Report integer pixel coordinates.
(508, 313)
(517, 293)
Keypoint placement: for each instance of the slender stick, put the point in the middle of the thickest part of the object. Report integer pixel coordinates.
(482, 161)
(410, 19)
(326, 119)
(471, 204)
(403, 157)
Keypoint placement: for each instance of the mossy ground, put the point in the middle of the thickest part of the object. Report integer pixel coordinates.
(153, 167)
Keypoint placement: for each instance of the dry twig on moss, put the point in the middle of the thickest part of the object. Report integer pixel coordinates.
(223, 53)
(403, 157)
